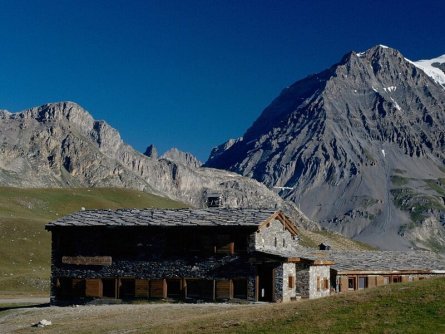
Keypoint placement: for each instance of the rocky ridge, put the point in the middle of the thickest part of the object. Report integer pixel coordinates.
(339, 143)
(61, 145)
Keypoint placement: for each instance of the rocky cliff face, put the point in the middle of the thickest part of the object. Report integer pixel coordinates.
(61, 145)
(347, 142)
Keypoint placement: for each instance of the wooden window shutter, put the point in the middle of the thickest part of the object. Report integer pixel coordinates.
(325, 284)
(343, 283)
(93, 287)
(291, 281)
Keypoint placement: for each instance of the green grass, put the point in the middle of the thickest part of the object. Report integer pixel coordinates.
(437, 186)
(417, 204)
(417, 307)
(25, 245)
(398, 180)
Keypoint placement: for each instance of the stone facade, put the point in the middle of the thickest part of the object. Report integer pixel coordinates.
(313, 281)
(274, 237)
(302, 280)
(288, 286)
(319, 281)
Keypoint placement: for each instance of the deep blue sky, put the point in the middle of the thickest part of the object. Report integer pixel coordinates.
(191, 74)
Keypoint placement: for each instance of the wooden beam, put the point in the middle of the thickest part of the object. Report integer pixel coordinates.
(257, 287)
(164, 288)
(214, 290)
(184, 288)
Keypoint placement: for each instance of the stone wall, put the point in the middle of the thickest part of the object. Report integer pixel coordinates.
(317, 275)
(278, 284)
(288, 292)
(302, 280)
(274, 237)
(152, 262)
(310, 281)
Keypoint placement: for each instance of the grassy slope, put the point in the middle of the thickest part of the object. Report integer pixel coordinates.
(25, 245)
(312, 239)
(417, 307)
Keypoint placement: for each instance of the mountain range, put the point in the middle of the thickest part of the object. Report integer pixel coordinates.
(359, 147)
(61, 145)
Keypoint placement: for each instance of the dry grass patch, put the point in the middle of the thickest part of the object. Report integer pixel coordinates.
(417, 307)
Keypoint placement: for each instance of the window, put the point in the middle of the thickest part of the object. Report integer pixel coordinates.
(127, 288)
(203, 289)
(385, 279)
(174, 289)
(291, 282)
(351, 283)
(275, 242)
(325, 284)
(240, 288)
(318, 283)
(362, 282)
(397, 279)
(284, 243)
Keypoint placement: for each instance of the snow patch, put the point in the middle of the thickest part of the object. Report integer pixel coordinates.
(390, 89)
(360, 54)
(396, 104)
(383, 152)
(434, 73)
(374, 89)
(384, 46)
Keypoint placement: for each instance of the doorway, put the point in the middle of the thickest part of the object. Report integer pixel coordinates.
(265, 281)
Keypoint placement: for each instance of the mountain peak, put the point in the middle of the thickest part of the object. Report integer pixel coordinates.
(332, 142)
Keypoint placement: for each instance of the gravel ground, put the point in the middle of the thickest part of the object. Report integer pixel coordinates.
(113, 319)
(28, 300)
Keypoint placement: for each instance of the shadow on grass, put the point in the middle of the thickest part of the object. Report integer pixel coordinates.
(14, 307)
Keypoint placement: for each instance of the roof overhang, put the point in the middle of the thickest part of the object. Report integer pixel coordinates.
(387, 272)
(280, 216)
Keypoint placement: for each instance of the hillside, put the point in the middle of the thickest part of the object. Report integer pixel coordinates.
(416, 307)
(61, 145)
(359, 146)
(25, 245)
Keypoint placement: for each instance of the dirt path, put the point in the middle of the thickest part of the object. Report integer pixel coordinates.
(27, 300)
(116, 319)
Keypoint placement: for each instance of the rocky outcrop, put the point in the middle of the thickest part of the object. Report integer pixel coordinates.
(333, 142)
(184, 158)
(61, 145)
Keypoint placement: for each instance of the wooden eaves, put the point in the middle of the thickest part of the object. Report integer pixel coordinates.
(287, 223)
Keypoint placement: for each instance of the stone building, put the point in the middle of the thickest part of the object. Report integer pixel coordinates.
(367, 269)
(203, 254)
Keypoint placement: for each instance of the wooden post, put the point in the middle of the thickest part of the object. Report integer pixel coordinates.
(257, 287)
(164, 288)
(214, 290)
(232, 248)
(184, 288)
(272, 293)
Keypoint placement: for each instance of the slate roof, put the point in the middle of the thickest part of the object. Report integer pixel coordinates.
(166, 217)
(386, 261)
(370, 261)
